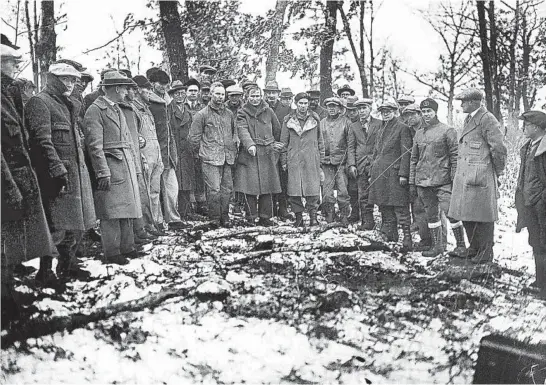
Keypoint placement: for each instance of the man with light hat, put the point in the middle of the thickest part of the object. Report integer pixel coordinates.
(25, 232)
(109, 143)
(234, 98)
(58, 157)
(482, 158)
(361, 142)
(335, 129)
(432, 168)
(206, 73)
(531, 192)
(403, 102)
(390, 173)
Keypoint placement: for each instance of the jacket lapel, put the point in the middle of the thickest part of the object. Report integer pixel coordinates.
(541, 147)
(112, 115)
(473, 122)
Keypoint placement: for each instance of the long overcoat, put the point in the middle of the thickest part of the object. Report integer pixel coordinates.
(56, 150)
(180, 120)
(391, 161)
(361, 143)
(481, 159)
(109, 143)
(256, 175)
(165, 136)
(25, 232)
(304, 154)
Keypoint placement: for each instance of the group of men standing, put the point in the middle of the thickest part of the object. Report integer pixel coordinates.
(141, 155)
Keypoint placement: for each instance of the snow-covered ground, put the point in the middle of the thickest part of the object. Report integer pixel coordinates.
(294, 310)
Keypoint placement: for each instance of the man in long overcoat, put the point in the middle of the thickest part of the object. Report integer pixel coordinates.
(25, 233)
(482, 158)
(213, 134)
(109, 142)
(531, 192)
(58, 157)
(302, 156)
(390, 173)
(361, 142)
(256, 172)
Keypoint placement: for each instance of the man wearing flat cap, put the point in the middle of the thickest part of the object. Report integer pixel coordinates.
(403, 102)
(287, 97)
(389, 174)
(206, 73)
(205, 95)
(25, 231)
(432, 169)
(58, 157)
(314, 104)
(482, 158)
(361, 142)
(335, 129)
(109, 143)
(531, 192)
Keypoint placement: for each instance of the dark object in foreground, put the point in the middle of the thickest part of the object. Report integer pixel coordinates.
(502, 360)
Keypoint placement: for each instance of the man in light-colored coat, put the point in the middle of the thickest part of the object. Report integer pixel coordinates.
(58, 157)
(482, 158)
(109, 142)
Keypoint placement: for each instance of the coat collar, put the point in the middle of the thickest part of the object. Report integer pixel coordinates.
(293, 123)
(541, 149)
(474, 121)
(254, 110)
(110, 112)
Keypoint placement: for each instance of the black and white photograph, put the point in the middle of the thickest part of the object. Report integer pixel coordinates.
(273, 192)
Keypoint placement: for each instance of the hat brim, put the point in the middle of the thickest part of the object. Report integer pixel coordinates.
(118, 83)
(342, 90)
(173, 90)
(272, 89)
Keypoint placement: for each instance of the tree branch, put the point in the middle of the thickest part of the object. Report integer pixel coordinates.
(127, 28)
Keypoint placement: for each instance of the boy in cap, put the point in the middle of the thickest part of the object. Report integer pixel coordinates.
(482, 158)
(531, 192)
(432, 169)
(335, 129)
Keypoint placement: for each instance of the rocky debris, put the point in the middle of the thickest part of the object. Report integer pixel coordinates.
(213, 290)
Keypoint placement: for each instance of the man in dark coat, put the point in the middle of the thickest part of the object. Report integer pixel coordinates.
(25, 233)
(531, 192)
(335, 130)
(213, 135)
(234, 103)
(58, 157)
(351, 111)
(272, 93)
(432, 168)
(109, 143)
(482, 158)
(314, 104)
(390, 174)
(302, 156)
(361, 142)
(256, 173)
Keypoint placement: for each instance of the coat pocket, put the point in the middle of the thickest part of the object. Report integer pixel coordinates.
(474, 147)
(118, 171)
(477, 176)
(60, 133)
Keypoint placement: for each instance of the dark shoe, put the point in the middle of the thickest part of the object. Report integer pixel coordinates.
(177, 226)
(460, 249)
(140, 241)
(202, 209)
(265, 222)
(156, 232)
(285, 215)
(407, 242)
(45, 275)
(225, 223)
(329, 213)
(464, 254)
(116, 259)
(67, 267)
(299, 220)
(366, 225)
(484, 255)
(422, 245)
(145, 235)
(94, 235)
(313, 221)
(437, 247)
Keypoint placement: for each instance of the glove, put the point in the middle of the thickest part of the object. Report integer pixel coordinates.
(352, 172)
(403, 181)
(284, 166)
(413, 192)
(277, 146)
(103, 183)
(59, 183)
(252, 150)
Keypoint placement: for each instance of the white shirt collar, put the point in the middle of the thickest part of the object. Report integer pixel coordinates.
(471, 114)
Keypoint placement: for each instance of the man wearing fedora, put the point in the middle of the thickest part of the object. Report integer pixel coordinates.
(345, 92)
(109, 143)
(335, 129)
(58, 157)
(531, 192)
(314, 104)
(482, 158)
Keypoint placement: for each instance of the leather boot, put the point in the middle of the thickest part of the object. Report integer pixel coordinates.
(460, 248)
(329, 213)
(202, 209)
(437, 247)
(344, 216)
(484, 255)
(45, 275)
(299, 220)
(313, 218)
(368, 222)
(407, 244)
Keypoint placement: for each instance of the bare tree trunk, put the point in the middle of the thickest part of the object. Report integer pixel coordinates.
(485, 55)
(525, 65)
(174, 39)
(494, 60)
(46, 50)
(370, 44)
(32, 46)
(327, 50)
(272, 62)
(513, 110)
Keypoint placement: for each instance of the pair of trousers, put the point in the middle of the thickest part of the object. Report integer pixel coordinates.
(366, 208)
(480, 234)
(147, 217)
(281, 199)
(536, 227)
(311, 203)
(67, 241)
(352, 189)
(262, 205)
(435, 199)
(152, 169)
(396, 214)
(169, 188)
(117, 236)
(184, 203)
(218, 185)
(335, 178)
